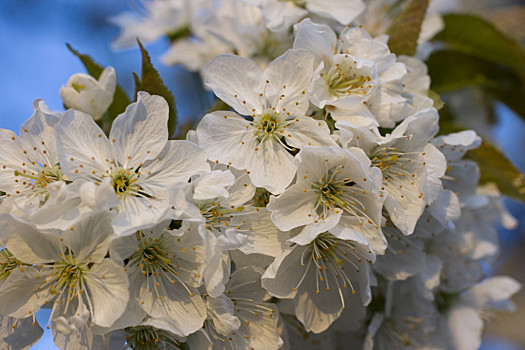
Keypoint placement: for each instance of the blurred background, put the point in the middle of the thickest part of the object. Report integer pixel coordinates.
(35, 63)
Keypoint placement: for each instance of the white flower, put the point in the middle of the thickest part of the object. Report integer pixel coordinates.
(358, 79)
(379, 14)
(404, 257)
(88, 95)
(341, 80)
(462, 323)
(194, 53)
(408, 320)
(155, 19)
(66, 270)
(166, 266)
(411, 166)
(232, 27)
(333, 186)
(240, 318)
(147, 335)
(320, 274)
(29, 164)
(276, 100)
(457, 251)
(280, 15)
(138, 158)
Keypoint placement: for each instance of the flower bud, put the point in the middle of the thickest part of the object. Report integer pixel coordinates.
(86, 94)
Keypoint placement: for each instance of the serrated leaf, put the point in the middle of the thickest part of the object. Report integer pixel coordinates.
(120, 98)
(151, 82)
(478, 37)
(404, 30)
(494, 165)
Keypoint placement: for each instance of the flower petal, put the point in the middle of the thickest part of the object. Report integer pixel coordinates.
(141, 132)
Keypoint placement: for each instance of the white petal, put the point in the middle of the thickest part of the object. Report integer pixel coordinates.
(293, 208)
(288, 78)
(306, 131)
(28, 244)
(319, 39)
(464, 328)
(271, 166)
(80, 140)
(435, 170)
(280, 16)
(137, 213)
(175, 164)
(237, 81)
(168, 299)
(83, 340)
(108, 287)
(343, 11)
(316, 311)
(88, 237)
(20, 293)
(19, 334)
(141, 132)
(283, 276)
(229, 140)
(99, 197)
(108, 80)
(454, 146)
(40, 128)
(494, 293)
(264, 237)
(213, 185)
(311, 231)
(220, 311)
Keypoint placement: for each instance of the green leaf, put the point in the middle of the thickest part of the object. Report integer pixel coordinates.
(151, 82)
(451, 70)
(477, 37)
(92, 68)
(404, 30)
(120, 98)
(438, 102)
(494, 165)
(218, 105)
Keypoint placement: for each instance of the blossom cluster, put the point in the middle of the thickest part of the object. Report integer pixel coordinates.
(320, 211)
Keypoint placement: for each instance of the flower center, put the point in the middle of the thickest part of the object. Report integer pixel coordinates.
(394, 164)
(7, 263)
(333, 192)
(344, 79)
(151, 255)
(68, 274)
(148, 338)
(384, 158)
(37, 181)
(261, 198)
(215, 214)
(269, 45)
(268, 125)
(124, 182)
(330, 255)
